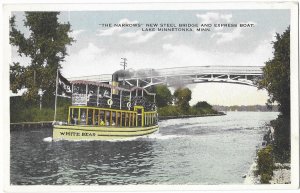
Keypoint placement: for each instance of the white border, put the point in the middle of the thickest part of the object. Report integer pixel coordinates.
(175, 5)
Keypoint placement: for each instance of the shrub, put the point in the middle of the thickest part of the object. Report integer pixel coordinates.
(265, 164)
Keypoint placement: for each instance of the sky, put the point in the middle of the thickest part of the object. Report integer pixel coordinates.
(98, 49)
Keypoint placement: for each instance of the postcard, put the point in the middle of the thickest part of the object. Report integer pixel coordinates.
(158, 96)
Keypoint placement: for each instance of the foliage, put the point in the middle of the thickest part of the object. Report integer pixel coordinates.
(265, 164)
(202, 104)
(169, 111)
(182, 97)
(282, 143)
(46, 47)
(276, 81)
(177, 111)
(23, 111)
(163, 95)
(276, 73)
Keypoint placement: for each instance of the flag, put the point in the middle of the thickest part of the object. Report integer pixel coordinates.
(64, 86)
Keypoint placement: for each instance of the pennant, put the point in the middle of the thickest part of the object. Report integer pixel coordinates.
(64, 86)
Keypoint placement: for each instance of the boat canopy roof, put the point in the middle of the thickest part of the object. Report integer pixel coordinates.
(101, 84)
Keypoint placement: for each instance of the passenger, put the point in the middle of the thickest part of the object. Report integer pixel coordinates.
(107, 123)
(102, 122)
(113, 123)
(75, 120)
(83, 119)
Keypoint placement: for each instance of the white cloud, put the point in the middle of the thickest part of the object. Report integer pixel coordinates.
(108, 32)
(169, 36)
(223, 37)
(139, 36)
(183, 55)
(212, 17)
(85, 61)
(76, 33)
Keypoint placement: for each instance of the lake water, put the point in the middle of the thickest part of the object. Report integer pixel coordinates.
(201, 150)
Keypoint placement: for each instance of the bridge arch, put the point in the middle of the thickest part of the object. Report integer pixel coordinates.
(245, 75)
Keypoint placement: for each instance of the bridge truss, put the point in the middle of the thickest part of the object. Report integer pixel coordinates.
(245, 75)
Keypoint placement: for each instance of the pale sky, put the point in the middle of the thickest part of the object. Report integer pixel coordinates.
(98, 50)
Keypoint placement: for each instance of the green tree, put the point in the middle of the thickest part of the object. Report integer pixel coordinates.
(276, 80)
(182, 98)
(202, 105)
(276, 74)
(45, 46)
(163, 95)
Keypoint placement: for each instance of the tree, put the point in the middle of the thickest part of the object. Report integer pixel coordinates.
(276, 74)
(202, 105)
(46, 47)
(163, 95)
(182, 98)
(276, 80)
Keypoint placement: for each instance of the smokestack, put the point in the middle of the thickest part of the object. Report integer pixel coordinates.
(115, 82)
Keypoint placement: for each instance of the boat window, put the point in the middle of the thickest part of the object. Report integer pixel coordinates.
(118, 119)
(102, 118)
(74, 116)
(133, 119)
(113, 123)
(108, 118)
(82, 114)
(129, 121)
(96, 117)
(123, 119)
(90, 117)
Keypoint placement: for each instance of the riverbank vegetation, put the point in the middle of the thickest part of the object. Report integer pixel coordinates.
(178, 103)
(22, 110)
(250, 108)
(277, 82)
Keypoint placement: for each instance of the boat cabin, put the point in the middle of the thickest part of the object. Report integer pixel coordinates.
(104, 104)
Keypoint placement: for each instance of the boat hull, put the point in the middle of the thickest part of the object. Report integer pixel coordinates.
(82, 132)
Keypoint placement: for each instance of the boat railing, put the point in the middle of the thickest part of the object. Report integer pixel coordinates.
(126, 104)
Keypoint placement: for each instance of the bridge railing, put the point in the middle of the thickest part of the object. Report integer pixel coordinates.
(186, 70)
(194, 70)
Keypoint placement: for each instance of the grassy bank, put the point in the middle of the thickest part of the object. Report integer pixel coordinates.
(29, 111)
(277, 152)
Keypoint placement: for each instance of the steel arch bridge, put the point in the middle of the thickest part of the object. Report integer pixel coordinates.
(245, 75)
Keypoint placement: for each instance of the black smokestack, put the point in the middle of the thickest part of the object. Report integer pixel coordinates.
(118, 76)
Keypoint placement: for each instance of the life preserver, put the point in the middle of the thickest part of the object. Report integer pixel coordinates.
(109, 102)
(129, 104)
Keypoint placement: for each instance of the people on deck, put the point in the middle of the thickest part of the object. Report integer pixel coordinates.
(102, 122)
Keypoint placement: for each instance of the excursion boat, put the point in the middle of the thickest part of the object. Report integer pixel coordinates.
(108, 111)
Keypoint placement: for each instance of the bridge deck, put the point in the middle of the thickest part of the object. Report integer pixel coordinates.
(188, 74)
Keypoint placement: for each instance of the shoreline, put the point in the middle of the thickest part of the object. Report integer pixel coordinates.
(188, 116)
(281, 172)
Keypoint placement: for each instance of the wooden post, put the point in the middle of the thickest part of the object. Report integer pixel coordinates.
(93, 117)
(121, 121)
(99, 117)
(69, 116)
